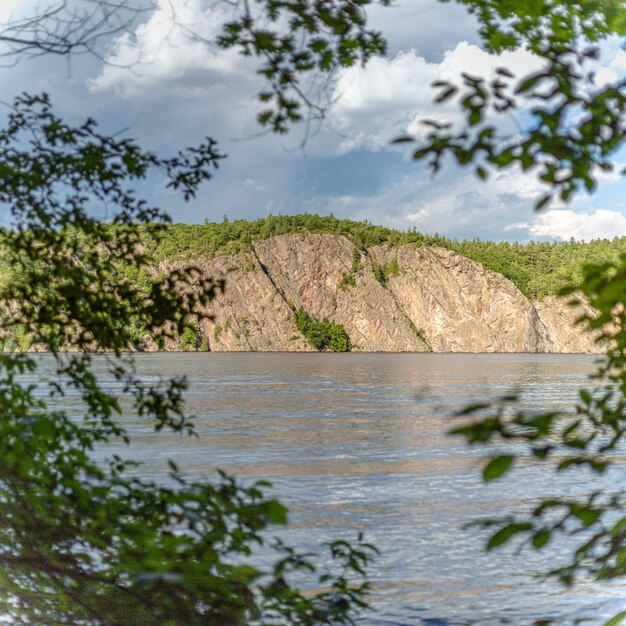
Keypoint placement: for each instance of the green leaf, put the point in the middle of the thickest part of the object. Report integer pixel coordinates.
(541, 538)
(473, 408)
(617, 620)
(276, 512)
(474, 117)
(543, 202)
(586, 515)
(503, 71)
(506, 533)
(446, 95)
(497, 467)
(530, 82)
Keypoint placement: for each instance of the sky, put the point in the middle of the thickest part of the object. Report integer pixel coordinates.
(157, 84)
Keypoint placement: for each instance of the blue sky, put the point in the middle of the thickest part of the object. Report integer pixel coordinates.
(168, 90)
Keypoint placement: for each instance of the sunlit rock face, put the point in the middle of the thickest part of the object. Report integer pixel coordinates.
(404, 299)
(461, 306)
(317, 271)
(564, 334)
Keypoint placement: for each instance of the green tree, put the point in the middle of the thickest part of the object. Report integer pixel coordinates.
(339, 340)
(322, 335)
(89, 543)
(572, 130)
(85, 543)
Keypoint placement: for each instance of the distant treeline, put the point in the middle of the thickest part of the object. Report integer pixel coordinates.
(537, 268)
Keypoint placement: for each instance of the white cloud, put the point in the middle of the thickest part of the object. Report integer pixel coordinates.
(455, 203)
(433, 26)
(376, 103)
(389, 97)
(565, 223)
(182, 87)
(171, 50)
(611, 65)
(169, 56)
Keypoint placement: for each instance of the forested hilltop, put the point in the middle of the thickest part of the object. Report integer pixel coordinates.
(307, 282)
(538, 269)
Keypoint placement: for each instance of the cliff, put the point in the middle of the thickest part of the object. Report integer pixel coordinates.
(396, 299)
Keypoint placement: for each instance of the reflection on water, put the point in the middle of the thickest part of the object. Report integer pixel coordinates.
(357, 442)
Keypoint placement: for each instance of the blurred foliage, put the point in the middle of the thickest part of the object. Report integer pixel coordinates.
(590, 438)
(533, 23)
(568, 125)
(87, 543)
(570, 128)
(296, 39)
(92, 543)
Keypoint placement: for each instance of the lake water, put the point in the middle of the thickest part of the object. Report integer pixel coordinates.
(357, 442)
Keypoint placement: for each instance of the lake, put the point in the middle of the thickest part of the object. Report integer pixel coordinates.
(357, 442)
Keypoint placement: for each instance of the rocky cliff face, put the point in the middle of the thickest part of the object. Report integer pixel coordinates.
(564, 333)
(404, 299)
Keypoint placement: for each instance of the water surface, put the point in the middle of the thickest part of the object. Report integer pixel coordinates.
(357, 442)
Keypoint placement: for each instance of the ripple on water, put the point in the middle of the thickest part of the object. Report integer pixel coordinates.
(358, 442)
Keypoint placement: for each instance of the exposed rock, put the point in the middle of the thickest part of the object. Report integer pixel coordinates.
(564, 334)
(404, 299)
(459, 305)
(309, 269)
(251, 314)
